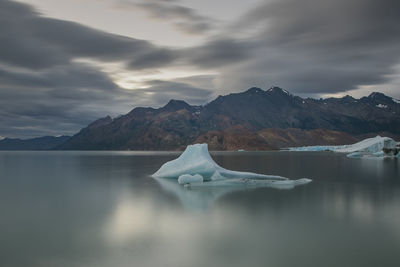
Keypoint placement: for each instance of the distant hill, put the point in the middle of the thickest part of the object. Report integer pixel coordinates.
(255, 119)
(40, 143)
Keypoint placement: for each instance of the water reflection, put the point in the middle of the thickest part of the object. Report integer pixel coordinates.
(129, 219)
(260, 227)
(102, 209)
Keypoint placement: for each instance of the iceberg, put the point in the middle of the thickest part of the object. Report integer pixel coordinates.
(195, 168)
(374, 147)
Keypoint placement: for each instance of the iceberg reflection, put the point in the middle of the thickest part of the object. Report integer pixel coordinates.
(202, 196)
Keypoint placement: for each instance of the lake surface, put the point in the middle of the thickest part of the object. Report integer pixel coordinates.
(98, 209)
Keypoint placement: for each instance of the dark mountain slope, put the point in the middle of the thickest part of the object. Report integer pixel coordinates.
(237, 120)
(276, 108)
(169, 127)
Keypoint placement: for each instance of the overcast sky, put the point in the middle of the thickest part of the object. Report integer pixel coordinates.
(65, 63)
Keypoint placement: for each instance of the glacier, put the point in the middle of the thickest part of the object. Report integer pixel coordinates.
(370, 147)
(195, 168)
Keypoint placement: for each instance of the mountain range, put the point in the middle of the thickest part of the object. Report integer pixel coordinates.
(255, 120)
(39, 143)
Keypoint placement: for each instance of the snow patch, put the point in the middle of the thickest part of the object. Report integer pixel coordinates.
(278, 89)
(396, 101)
(381, 106)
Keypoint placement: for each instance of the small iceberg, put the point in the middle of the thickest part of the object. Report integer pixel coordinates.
(372, 147)
(195, 168)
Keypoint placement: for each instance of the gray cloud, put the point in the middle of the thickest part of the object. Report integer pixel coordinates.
(219, 53)
(159, 58)
(184, 18)
(43, 90)
(59, 100)
(309, 47)
(30, 41)
(165, 90)
(318, 46)
(200, 81)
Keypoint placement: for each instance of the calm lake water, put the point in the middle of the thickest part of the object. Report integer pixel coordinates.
(101, 209)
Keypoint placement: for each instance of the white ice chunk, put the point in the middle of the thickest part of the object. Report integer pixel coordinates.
(313, 148)
(196, 160)
(217, 176)
(195, 168)
(190, 179)
(371, 146)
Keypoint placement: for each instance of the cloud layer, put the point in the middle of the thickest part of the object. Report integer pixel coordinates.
(310, 47)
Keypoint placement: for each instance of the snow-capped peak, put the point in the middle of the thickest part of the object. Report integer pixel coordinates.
(277, 89)
(396, 100)
(373, 94)
(254, 90)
